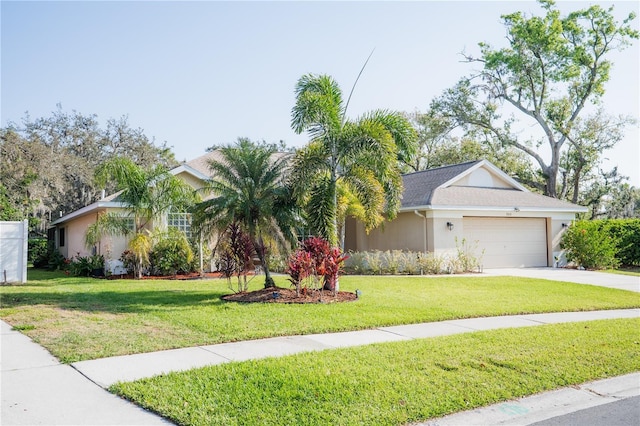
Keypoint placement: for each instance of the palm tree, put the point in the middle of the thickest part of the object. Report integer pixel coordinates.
(353, 160)
(248, 187)
(146, 194)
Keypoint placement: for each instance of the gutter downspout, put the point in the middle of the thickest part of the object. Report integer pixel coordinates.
(424, 228)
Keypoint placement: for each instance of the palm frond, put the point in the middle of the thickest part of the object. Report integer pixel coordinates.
(321, 211)
(107, 224)
(318, 109)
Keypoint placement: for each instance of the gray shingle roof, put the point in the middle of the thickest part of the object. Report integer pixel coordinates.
(419, 186)
(422, 189)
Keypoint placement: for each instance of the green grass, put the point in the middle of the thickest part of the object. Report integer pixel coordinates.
(394, 383)
(634, 271)
(82, 318)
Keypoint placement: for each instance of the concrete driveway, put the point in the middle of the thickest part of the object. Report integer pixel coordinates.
(603, 279)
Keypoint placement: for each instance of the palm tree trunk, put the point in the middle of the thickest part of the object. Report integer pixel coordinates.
(258, 246)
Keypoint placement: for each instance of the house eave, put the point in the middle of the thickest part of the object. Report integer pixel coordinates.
(190, 170)
(88, 209)
(577, 209)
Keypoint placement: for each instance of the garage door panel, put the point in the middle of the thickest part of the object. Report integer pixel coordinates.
(507, 242)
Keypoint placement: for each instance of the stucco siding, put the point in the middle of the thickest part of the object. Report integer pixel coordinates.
(405, 232)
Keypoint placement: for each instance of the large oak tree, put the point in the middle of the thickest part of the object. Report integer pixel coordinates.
(551, 69)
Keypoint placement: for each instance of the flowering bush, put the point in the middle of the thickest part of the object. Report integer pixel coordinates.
(590, 246)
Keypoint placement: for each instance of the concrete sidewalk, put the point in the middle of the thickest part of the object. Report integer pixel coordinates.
(107, 371)
(602, 279)
(37, 390)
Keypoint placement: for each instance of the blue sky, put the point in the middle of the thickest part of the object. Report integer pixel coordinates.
(196, 74)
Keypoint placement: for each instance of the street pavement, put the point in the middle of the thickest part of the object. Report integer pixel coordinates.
(623, 412)
(37, 390)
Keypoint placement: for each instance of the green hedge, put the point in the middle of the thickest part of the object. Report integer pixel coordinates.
(606, 243)
(627, 232)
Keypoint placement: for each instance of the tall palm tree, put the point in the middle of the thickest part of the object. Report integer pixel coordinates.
(146, 194)
(355, 158)
(248, 188)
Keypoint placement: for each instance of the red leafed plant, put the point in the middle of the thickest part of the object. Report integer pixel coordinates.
(316, 257)
(301, 267)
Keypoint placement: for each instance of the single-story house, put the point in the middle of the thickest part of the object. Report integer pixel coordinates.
(68, 232)
(477, 205)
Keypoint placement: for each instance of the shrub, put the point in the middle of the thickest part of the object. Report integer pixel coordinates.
(374, 261)
(171, 253)
(590, 245)
(38, 248)
(319, 260)
(466, 259)
(430, 264)
(235, 256)
(300, 269)
(128, 260)
(413, 263)
(86, 266)
(627, 232)
(57, 262)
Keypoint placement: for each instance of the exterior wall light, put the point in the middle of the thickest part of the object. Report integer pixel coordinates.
(450, 226)
(565, 225)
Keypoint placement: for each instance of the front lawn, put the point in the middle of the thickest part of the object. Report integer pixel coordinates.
(83, 318)
(394, 383)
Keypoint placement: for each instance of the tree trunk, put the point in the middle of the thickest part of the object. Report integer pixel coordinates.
(258, 246)
(551, 172)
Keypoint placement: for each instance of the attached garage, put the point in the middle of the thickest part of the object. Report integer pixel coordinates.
(508, 242)
(477, 203)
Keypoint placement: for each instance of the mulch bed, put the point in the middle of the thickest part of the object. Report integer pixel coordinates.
(287, 295)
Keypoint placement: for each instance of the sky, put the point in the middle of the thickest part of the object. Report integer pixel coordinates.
(203, 73)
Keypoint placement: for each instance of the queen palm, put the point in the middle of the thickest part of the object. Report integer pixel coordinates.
(248, 189)
(351, 160)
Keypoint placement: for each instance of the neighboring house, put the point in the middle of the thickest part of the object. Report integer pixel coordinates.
(68, 232)
(475, 204)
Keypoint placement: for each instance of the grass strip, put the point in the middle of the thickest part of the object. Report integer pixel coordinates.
(82, 318)
(633, 271)
(394, 383)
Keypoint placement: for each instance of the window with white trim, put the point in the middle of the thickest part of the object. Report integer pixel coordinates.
(181, 221)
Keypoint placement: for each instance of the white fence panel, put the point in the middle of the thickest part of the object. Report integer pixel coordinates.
(13, 251)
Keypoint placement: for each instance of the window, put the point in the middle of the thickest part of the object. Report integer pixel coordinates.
(181, 221)
(130, 223)
(61, 237)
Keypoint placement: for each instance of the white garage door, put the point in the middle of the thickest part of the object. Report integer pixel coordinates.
(508, 242)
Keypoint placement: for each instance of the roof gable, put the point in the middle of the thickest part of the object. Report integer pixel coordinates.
(419, 186)
(477, 184)
(483, 174)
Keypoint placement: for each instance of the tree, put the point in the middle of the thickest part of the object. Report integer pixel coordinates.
(356, 157)
(588, 139)
(147, 194)
(248, 188)
(608, 196)
(438, 147)
(48, 164)
(552, 68)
